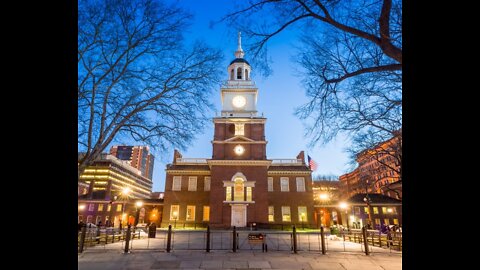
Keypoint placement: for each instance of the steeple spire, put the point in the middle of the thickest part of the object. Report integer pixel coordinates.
(239, 53)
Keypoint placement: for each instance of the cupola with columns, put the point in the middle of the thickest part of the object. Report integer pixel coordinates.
(239, 132)
(239, 93)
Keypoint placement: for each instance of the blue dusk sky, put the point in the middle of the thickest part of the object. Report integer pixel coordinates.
(279, 95)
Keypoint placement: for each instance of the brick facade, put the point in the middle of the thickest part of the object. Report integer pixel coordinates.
(239, 165)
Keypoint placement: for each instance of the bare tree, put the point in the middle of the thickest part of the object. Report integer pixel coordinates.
(351, 58)
(135, 78)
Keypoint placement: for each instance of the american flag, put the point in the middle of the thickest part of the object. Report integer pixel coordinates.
(312, 164)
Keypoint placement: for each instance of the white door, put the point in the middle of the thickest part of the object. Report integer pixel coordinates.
(239, 215)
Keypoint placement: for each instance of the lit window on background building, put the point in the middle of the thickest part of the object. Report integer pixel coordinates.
(286, 213)
(270, 214)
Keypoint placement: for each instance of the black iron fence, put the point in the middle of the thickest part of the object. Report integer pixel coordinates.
(353, 240)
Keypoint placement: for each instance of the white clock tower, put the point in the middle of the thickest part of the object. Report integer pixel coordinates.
(239, 93)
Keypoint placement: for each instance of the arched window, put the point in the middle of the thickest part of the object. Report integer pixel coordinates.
(239, 73)
(231, 74)
(246, 74)
(238, 191)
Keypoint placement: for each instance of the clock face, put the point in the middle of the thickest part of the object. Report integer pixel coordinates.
(239, 149)
(239, 101)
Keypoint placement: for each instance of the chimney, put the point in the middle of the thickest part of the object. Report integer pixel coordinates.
(301, 156)
(176, 154)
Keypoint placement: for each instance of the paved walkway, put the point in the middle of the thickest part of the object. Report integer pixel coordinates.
(139, 260)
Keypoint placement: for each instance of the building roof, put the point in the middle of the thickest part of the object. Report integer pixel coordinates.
(375, 198)
(239, 60)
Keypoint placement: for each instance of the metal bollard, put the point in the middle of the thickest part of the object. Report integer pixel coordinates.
(234, 239)
(208, 238)
(322, 235)
(169, 238)
(82, 239)
(365, 241)
(294, 239)
(127, 239)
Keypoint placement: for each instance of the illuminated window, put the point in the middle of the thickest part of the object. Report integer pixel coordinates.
(89, 219)
(98, 219)
(91, 207)
(365, 209)
(384, 210)
(239, 129)
(174, 211)
(249, 194)
(270, 184)
(238, 194)
(206, 213)
(356, 210)
(271, 214)
(387, 221)
(286, 213)
(206, 186)
(377, 221)
(228, 192)
(119, 207)
(177, 183)
(190, 212)
(109, 207)
(302, 213)
(375, 210)
(394, 210)
(284, 184)
(192, 183)
(80, 218)
(300, 184)
(100, 207)
(395, 221)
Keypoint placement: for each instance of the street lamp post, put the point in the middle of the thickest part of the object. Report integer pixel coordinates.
(124, 194)
(367, 200)
(344, 206)
(137, 216)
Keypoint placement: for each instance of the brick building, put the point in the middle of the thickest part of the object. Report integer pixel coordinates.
(138, 157)
(108, 176)
(378, 171)
(111, 212)
(238, 186)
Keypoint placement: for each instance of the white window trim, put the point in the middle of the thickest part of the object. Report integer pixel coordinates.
(239, 129)
(171, 211)
(273, 213)
(193, 213)
(192, 183)
(282, 179)
(208, 180)
(300, 180)
(177, 179)
(300, 216)
(270, 184)
(289, 213)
